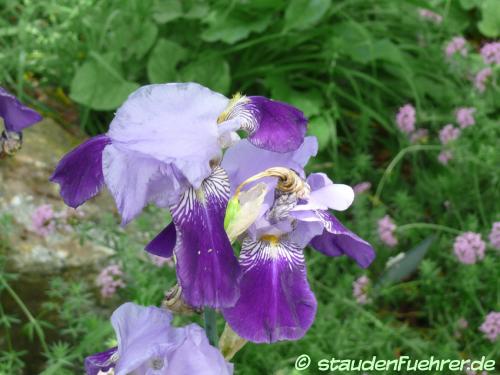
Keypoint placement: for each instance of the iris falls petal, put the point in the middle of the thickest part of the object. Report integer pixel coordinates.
(16, 116)
(164, 243)
(276, 302)
(207, 268)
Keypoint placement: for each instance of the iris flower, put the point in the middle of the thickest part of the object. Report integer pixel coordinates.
(164, 146)
(149, 345)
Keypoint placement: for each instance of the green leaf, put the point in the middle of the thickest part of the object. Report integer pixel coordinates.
(235, 27)
(167, 10)
(211, 71)
(163, 61)
(301, 14)
(232, 210)
(321, 129)
(97, 84)
(469, 4)
(140, 43)
(406, 266)
(490, 23)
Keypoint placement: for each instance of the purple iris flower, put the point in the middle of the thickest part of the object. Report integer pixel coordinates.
(15, 115)
(164, 147)
(149, 345)
(276, 302)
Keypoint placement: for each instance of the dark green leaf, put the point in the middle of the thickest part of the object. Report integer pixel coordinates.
(163, 61)
(302, 14)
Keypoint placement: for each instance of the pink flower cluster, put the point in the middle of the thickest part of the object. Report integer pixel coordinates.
(448, 133)
(406, 118)
(360, 290)
(43, 220)
(419, 135)
(362, 187)
(469, 248)
(491, 53)
(456, 45)
(481, 78)
(494, 235)
(109, 280)
(430, 15)
(465, 117)
(386, 229)
(445, 156)
(491, 326)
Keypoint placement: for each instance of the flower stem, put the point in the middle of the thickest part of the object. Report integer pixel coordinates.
(396, 160)
(436, 227)
(31, 318)
(209, 316)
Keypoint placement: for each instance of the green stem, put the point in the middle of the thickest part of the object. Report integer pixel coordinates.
(209, 316)
(437, 227)
(22, 306)
(396, 160)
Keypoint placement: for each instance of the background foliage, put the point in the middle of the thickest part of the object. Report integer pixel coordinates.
(349, 65)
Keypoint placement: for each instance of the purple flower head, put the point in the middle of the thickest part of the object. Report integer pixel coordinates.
(360, 289)
(465, 117)
(469, 248)
(386, 231)
(481, 78)
(448, 133)
(494, 235)
(419, 135)
(491, 53)
(429, 15)
(445, 156)
(457, 45)
(491, 326)
(110, 280)
(15, 115)
(362, 187)
(43, 220)
(276, 302)
(406, 118)
(149, 345)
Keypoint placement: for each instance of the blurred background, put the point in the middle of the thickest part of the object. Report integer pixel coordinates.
(379, 80)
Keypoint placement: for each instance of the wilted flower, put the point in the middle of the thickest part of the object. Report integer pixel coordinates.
(360, 289)
(406, 118)
(419, 135)
(110, 280)
(445, 156)
(465, 117)
(164, 147)
(148, 345)
(469, 248)
(362, 187)
(448, 133)
(395, 260)
(43, 220)
(481, 78)
(494, 236)
(456, 45)
(491, 53)
(386, 231)
(430, 15)
(16, 116)
(491, 326)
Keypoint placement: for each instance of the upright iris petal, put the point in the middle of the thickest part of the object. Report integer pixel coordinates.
(275, 301)
(207, 269)
(15, 115)
(164, 243)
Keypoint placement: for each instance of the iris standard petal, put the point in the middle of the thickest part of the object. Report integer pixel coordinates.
(102, 361)
(16, 116)
(207, 268)
(244, 160)
(337, 240)
(164, 243)
(275, 301)
(174, 123)
(79, 173)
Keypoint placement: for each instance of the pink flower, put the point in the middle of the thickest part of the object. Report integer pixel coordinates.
(457, 44)
(386, 229)
(469, 248)
(109, 280)
(494, 236)
(448, 133)
(481, 78)
(491, 53)
(360, 290)
(43, 220)
(430, 15)
(491, 326)
(406, 118)
(465, 117)
(462, 323)
(362, 187)
(419, 135)
(445, 156)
